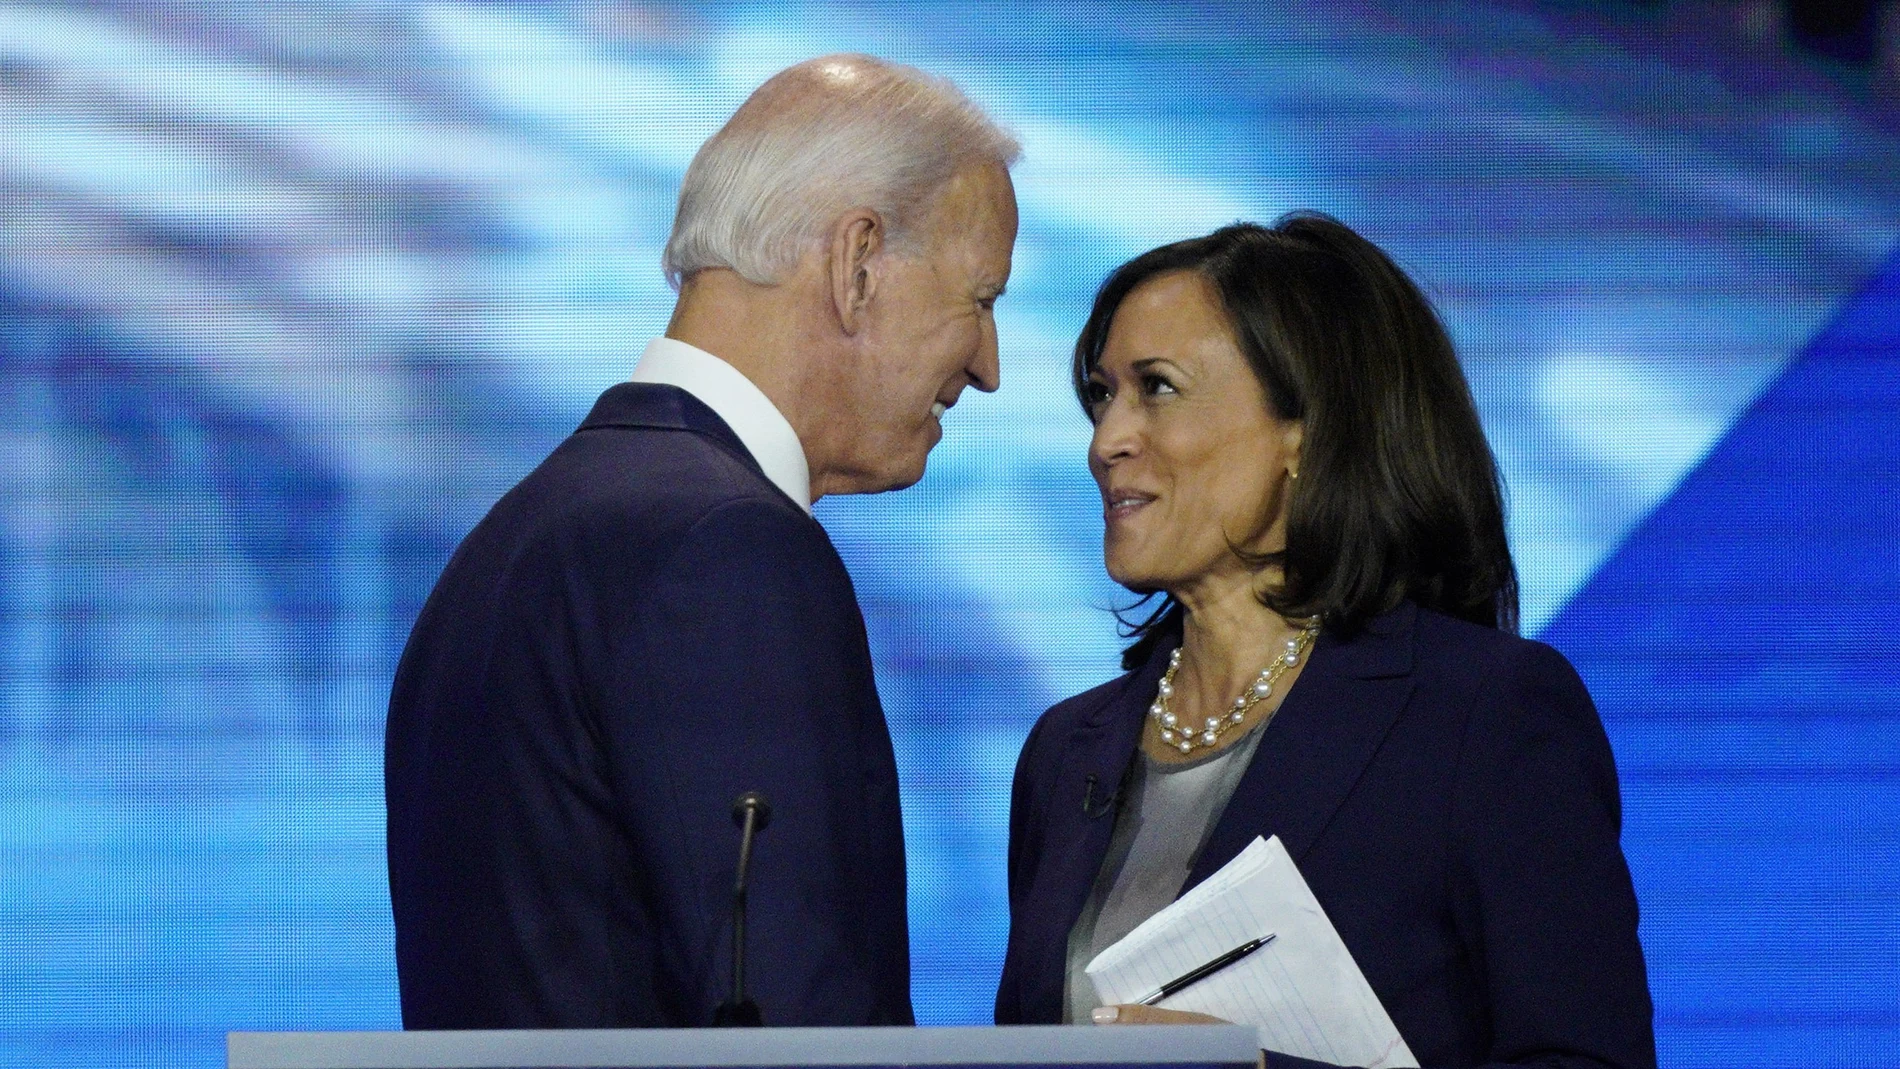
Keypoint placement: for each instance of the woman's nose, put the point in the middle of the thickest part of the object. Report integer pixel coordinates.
(1117, 435)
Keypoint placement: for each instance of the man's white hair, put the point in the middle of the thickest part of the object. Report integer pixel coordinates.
(813, 142)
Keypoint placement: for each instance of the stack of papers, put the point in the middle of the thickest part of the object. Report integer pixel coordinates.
(1302, 990)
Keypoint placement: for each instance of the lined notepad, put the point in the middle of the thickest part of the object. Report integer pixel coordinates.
(1302, 991)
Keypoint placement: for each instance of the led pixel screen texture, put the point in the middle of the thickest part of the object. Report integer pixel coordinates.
(290, 293)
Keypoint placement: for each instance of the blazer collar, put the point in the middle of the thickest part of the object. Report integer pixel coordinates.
(1327, 730)
(757, 422)
(656, 406)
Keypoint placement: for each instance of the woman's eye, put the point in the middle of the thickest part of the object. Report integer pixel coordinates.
(1155, 384)
(1096, 393)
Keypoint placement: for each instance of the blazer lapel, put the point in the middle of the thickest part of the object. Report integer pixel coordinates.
(1080, 822)
(1326, 732)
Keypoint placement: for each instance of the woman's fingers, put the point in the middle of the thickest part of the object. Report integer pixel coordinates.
(1148, 1015)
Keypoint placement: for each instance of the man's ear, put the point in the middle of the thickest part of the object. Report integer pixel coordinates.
(856, 239)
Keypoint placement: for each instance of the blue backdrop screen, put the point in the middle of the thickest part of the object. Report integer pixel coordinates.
(290, 293)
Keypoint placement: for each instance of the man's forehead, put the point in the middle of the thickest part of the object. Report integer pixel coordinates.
(970, 228)
(976, 190)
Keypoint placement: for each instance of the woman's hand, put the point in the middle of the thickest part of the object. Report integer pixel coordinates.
(1129, 1014)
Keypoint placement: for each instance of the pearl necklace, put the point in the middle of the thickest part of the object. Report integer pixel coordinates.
(1184, 737)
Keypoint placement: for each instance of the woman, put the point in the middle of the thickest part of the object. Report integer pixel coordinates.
(1289, 454)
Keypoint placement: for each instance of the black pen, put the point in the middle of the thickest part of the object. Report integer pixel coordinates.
(1207, 970)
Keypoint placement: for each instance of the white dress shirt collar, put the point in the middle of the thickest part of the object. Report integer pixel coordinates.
(761, 427)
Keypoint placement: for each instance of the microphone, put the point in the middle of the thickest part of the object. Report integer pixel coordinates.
(751, 812)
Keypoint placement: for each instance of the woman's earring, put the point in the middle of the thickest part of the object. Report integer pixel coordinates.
(1293, 474)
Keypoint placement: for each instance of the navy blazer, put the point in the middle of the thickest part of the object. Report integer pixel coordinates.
(1447, 791)
(641, 630)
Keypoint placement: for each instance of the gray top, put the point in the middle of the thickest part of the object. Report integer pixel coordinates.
(1168, 812)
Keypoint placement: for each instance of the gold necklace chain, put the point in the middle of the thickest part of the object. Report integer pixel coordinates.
(1187, 737)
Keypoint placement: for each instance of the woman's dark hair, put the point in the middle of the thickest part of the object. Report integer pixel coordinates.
(1398, 495)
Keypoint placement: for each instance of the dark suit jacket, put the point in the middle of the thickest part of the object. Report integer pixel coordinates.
(1447, 791)
(641, 630)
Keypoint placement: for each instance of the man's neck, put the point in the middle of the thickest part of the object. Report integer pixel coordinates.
(759, 331)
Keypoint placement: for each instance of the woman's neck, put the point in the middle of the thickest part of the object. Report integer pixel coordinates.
(1228, 636)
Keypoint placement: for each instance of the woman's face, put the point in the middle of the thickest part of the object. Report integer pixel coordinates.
(1189, 456)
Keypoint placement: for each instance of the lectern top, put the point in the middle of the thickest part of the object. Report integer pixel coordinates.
(1177, 1047)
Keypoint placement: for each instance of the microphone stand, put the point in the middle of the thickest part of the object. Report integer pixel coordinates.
(751, 812)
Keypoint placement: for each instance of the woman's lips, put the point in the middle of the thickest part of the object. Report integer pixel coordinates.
(1122, 504)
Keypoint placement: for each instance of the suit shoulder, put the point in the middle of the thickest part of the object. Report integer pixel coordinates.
(1042, 750)
(611, 505)
(660, 480)
(676, 465)
(1071, 711)
(766, 530)
(1514, 693)
(1479, 652)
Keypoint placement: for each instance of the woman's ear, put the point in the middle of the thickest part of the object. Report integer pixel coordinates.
(856, 239)
(1293, 435)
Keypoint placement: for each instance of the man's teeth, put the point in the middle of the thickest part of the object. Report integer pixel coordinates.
(937, 410)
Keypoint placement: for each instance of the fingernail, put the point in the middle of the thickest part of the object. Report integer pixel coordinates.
(1105, 1014)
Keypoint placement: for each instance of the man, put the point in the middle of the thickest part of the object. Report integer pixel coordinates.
(652, 623)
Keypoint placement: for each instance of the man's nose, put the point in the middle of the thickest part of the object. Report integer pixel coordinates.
(986, 370)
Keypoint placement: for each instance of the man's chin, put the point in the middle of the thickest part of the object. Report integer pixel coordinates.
(882, 480)
(906, 466)
(906, 479)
